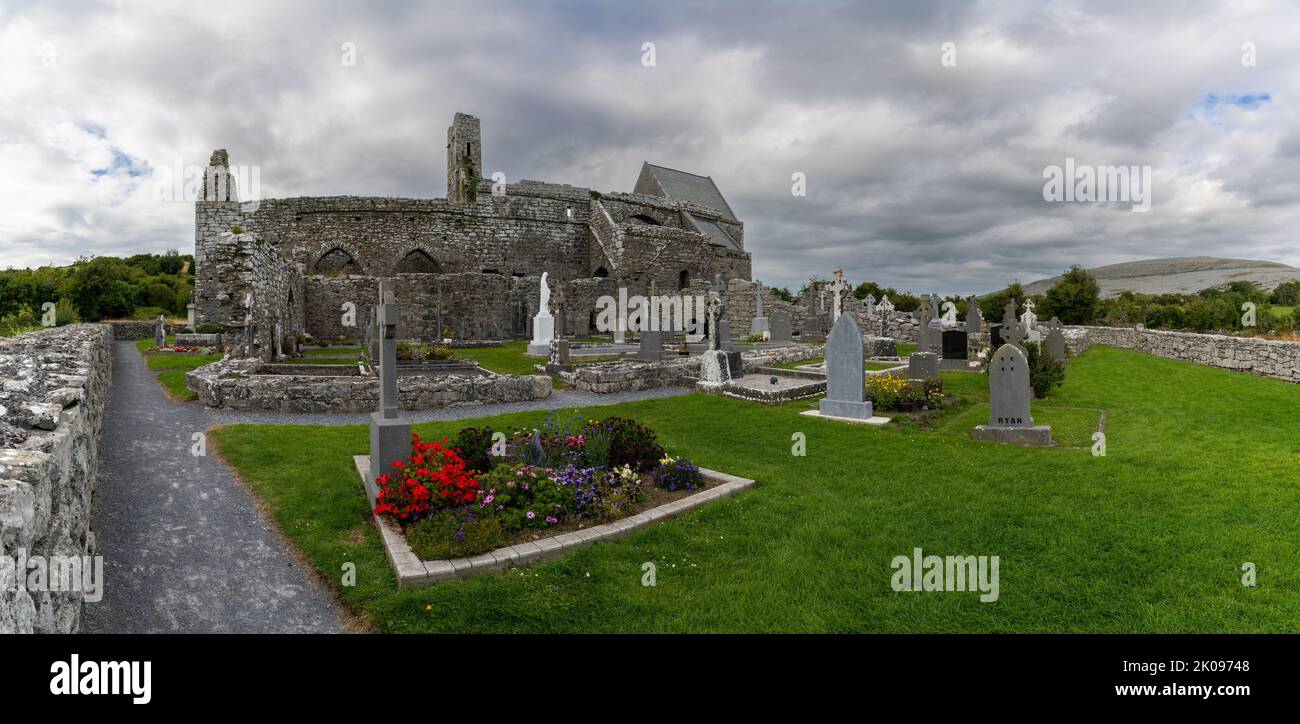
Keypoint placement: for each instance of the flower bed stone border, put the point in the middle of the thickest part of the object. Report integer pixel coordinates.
(411, 572)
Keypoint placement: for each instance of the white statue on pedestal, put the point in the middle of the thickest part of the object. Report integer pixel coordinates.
(543, 323)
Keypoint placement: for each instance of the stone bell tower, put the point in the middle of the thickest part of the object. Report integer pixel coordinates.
(464, 159)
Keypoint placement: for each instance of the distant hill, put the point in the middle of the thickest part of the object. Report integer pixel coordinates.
(1180, 275)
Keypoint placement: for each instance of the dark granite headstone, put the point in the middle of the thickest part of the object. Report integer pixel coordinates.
(995, 335)
(779, 326)
(954, 344)
(652, 346)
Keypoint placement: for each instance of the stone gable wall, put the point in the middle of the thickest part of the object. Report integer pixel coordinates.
(55, 389)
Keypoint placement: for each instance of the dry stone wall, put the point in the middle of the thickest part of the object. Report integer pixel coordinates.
(1268, 358)
(55, 388)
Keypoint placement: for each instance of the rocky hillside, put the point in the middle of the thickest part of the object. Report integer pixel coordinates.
(1181, 275)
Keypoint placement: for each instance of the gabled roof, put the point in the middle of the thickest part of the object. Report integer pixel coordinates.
(674, 184)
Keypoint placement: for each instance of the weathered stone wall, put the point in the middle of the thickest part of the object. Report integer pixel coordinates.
(235, 385)
(132, 329)
(55, 387)
(229, 267)
(1269, 358)
(571, 232)
(633, 376)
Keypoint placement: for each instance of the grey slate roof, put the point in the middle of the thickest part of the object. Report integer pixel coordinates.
(714, 231)
(661, 181)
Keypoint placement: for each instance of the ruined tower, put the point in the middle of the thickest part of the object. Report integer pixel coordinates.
(464, 159)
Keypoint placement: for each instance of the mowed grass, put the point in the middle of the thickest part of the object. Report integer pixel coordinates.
(1199, 478)
(508, 359)
(171, 367)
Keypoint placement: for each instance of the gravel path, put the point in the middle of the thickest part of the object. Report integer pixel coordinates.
(185, 547)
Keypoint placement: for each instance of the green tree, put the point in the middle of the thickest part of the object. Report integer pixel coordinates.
(1075, 298)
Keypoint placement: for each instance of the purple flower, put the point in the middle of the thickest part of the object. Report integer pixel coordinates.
(551, 520)
(531, 515)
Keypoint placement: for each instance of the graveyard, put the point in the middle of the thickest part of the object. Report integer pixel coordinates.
(1146, 538)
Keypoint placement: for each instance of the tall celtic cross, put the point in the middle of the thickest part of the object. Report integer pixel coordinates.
(837, 287)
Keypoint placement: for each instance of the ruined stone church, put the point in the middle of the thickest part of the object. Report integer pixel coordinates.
(466, 266)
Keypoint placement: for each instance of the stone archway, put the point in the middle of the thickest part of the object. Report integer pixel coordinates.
(337, 258)
(417, 259)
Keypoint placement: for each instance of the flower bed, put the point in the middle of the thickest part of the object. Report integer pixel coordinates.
(892, 392)
(481, 493)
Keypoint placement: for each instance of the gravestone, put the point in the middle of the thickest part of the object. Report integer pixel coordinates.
(559, 352)
(715, 367)
(1010, 418)
(390, 432)
(845, 373)
(955, 344)
(995, 335)
(160, 333)
(189, 316)
(536, 453)
(929, 331)
(1055, 341)
(724, 336)
(922, 365)
(543, 322)
(869, 305)
(974, 318)
(760, 323)
(838, 287)
(780, 326)
(886, 308)
(651, 348)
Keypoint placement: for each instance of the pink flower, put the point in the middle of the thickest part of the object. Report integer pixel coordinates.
(551, 520)
(531, 515)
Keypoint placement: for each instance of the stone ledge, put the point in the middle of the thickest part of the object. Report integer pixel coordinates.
(411, 572)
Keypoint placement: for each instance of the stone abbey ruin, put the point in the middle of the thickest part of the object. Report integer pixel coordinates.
(463, 267)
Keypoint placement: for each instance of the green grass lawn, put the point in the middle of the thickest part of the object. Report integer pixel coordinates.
(171, 368)
(1280, 311)
(1199, 478)
(508, 359)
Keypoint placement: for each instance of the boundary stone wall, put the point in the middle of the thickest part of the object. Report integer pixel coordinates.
(1265, 357)
(52, 399)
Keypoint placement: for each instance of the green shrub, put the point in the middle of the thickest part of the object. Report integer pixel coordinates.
(209, 328)
(436, 352)
(631, 443)
(596, 451)
(475, 447)
(455, 533)
(1045, 373)
(150, 313)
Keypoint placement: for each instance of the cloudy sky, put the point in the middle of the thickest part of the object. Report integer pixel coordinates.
(920, 173)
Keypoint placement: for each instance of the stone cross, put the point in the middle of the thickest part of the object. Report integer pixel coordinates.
(390, 433)
(719, 286)
(559, 310)
(870, 303)
(837, 287)
(1029, 319)
(714, 308)
(886, 308)
(160, 333)
(387, 316)
(934, 306)
(974, 319)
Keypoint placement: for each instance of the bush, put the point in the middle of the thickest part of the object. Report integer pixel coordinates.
(596, 451)
(436, 352)
(463, 530)
(678, 474)
(475, 447)
(149, 313)
(630, 443)
(1045, 373)
(209, 328)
